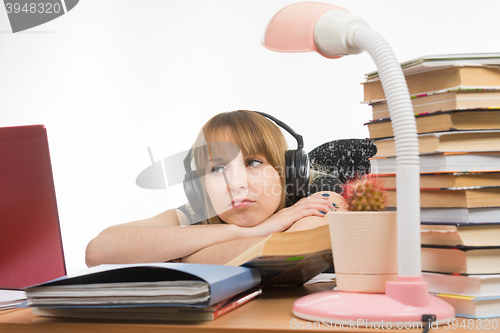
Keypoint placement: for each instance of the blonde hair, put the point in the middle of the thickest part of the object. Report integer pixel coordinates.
(253, 133)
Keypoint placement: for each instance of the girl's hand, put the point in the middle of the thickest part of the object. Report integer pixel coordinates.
(317, 204)
(311, 222)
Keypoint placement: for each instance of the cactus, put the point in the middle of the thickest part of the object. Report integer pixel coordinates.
(365, 193)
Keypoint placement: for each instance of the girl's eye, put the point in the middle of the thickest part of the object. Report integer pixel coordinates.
(253, 163)
(217, 169)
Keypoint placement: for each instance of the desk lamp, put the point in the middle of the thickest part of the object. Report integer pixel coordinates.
(333, 32)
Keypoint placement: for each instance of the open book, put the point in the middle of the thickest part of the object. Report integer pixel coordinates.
(289, 258)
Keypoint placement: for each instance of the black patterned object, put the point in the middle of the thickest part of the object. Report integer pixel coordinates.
(343, 159)
(325, 182)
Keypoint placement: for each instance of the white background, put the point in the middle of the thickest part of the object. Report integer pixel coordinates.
(111, 78)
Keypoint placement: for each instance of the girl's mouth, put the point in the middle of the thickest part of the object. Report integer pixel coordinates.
(241, 203)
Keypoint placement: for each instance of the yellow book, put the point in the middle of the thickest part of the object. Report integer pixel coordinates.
(461, 259)
(460, 141)
(456, 99)
(462, 198)
(439, 79)
(441, 121)
(460, 234)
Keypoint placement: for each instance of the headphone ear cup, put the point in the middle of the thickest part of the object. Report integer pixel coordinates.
(302, 169)
(297, 175)
(290, 177)
(194, 193)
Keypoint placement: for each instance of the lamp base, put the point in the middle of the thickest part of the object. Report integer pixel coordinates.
(403, 306)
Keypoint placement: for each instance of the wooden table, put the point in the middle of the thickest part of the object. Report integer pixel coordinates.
(271, 312)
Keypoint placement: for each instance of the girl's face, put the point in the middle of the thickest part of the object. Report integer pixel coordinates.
(245, 190)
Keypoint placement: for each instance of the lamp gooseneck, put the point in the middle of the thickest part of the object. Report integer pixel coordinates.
(337, 33)
(406, 140)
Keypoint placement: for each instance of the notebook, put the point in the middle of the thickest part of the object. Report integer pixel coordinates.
(31, 249)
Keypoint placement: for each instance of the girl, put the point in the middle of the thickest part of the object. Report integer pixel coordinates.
(242, 172)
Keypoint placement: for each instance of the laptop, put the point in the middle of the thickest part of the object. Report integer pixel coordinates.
(31, 250)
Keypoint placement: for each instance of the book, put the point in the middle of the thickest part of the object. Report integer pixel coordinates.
(439, 79)
(453, 215)
(442, 162)
(460, 141)
(434, 62)
(460, 215)
(31, 246)
(154, 312)
(448, 180)
(155, 284)
(460, 198)
(460, 234)
(474, 307)
(470, 285)
(461, 259)
(289, 258)
(445, 100)
(11, 298)
(462, 120)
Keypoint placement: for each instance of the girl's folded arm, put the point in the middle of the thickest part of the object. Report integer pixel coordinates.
(158, 239)
(222, 253)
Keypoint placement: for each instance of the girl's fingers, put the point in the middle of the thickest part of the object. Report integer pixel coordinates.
(310, 209)
(329, 199)
(313, 198)
(320, 201)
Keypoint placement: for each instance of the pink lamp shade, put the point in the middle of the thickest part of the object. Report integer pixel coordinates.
(292, 28)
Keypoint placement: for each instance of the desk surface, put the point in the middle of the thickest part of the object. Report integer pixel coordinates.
(271, 312)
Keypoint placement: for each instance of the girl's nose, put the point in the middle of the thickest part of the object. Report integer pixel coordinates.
(236, 179)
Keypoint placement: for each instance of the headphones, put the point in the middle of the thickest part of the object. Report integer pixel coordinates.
(296, 170)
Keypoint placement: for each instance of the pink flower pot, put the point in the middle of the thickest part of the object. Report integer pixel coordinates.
(364, 246)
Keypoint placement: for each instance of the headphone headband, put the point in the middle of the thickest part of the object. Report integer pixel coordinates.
(298, 137)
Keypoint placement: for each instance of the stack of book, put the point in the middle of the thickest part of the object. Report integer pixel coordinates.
(163, 291)
(456, 100)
